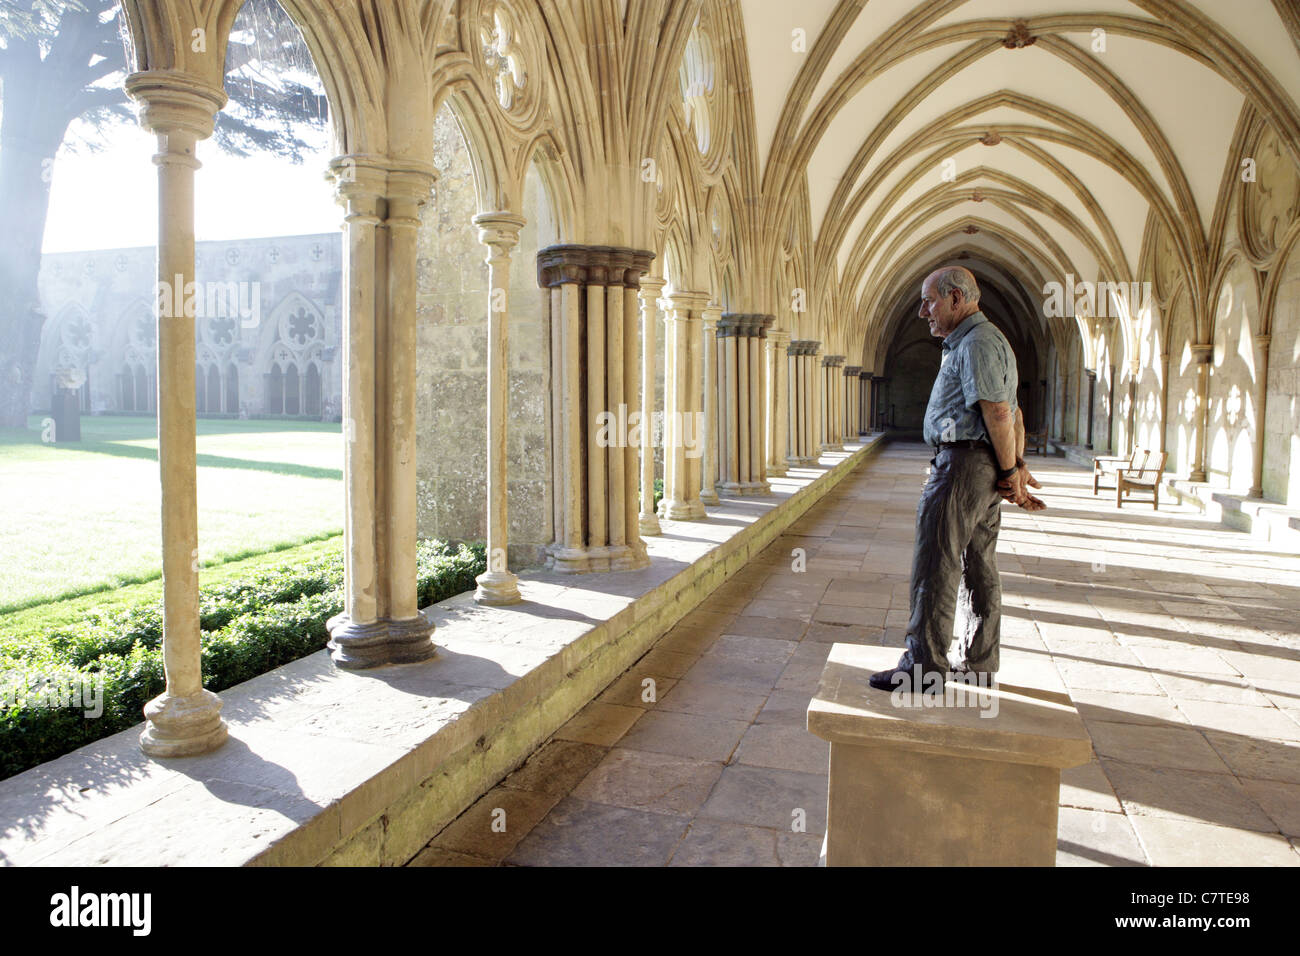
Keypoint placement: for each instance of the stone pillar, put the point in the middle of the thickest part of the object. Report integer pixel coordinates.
(1262, 343)
(184, 719)
(833, 407)
(864, 403)
(1131, 412)
(681, 501)
(381, 621)
(709, 472)
(594, 298)
(1092, 397)
(648, 520)
(1202, 354)
(757, 329)
(795, 401)
(740, 344)
(778, 405)
(499, 231)
(852, 402)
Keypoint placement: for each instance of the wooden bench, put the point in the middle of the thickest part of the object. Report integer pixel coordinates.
(1147, 477)
(952, 785)
(1105, 466)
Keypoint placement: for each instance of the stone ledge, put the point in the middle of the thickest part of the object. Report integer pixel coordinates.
(1267, 520)
(364, 767)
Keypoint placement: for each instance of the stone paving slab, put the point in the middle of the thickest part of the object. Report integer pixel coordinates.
(1179, 643)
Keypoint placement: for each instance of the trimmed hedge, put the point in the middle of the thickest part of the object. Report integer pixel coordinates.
(248, 627)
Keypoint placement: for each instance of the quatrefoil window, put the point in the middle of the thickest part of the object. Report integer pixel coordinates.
(502, 56)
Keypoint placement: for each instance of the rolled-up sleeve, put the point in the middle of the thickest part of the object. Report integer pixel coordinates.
(988, 372)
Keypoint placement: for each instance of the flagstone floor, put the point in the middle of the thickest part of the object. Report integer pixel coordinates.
(1178, 639)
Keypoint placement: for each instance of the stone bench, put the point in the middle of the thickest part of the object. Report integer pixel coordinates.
(920, 785)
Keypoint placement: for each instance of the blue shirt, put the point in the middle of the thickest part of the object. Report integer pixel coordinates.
(977, 364)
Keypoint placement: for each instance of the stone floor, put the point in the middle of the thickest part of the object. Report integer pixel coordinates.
(1179, 641)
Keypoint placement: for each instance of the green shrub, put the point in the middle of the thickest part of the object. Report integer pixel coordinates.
(248, 627)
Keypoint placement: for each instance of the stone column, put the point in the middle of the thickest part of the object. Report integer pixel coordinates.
(651, 288)
(594, 298)
(499, 231)
(184, 719)
(709, 466)
(833, 417)
(381, 621)
(864, 403)
(778, 417)
(1202, 354)
(1134, 368)
(1092, 398)
(852, 375)
(795, 416)
(757, 338)
(681, 501)
(1262, 343)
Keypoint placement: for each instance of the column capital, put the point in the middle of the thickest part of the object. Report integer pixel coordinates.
(499, 228)
(1202, 352)
(1263, 340)
(780, 338)
(853, 371)
(652, 287)
(865, 375)
(1091, 373)
(171, 101)
(686, 301)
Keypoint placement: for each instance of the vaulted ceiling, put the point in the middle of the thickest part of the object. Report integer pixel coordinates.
(1043, 135)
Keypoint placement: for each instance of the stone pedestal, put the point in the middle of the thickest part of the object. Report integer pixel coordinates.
(966, 776)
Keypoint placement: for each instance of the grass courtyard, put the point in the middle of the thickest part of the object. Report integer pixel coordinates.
(84, 517)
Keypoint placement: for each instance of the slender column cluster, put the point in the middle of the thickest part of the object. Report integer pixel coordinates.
(832, 421)
(852, 402)
(595, 308)
(714, 422)
(684, 423)
(864, 403)
(777, 403)
(381, 621)
(802, 355)
(742, 397)
(651, 288)
(185, 719)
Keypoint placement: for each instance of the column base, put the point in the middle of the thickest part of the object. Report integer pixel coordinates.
(832, 447)
(682, 510)
(648, 524)
(756, 488)
(709, 496)
(376, 643)
(1196, 476)
(497, 588)
(183, 726)
(1255, 493)
(584, 560)
(776, 470)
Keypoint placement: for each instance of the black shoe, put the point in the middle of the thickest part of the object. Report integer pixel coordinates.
(908, 677)
(966, 675)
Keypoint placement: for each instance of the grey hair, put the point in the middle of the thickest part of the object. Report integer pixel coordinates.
(955, 278)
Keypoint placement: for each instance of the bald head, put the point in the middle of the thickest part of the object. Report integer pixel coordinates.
(948, 296)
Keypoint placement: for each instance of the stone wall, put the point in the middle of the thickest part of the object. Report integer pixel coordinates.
(100, 322)
(451, 364)
(1230, 433)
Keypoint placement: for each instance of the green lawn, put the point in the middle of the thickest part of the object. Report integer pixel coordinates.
(84, 517)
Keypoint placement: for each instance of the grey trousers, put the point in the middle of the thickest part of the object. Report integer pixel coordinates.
(954, 565)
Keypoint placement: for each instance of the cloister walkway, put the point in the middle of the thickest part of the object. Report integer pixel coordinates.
(1178, 639)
